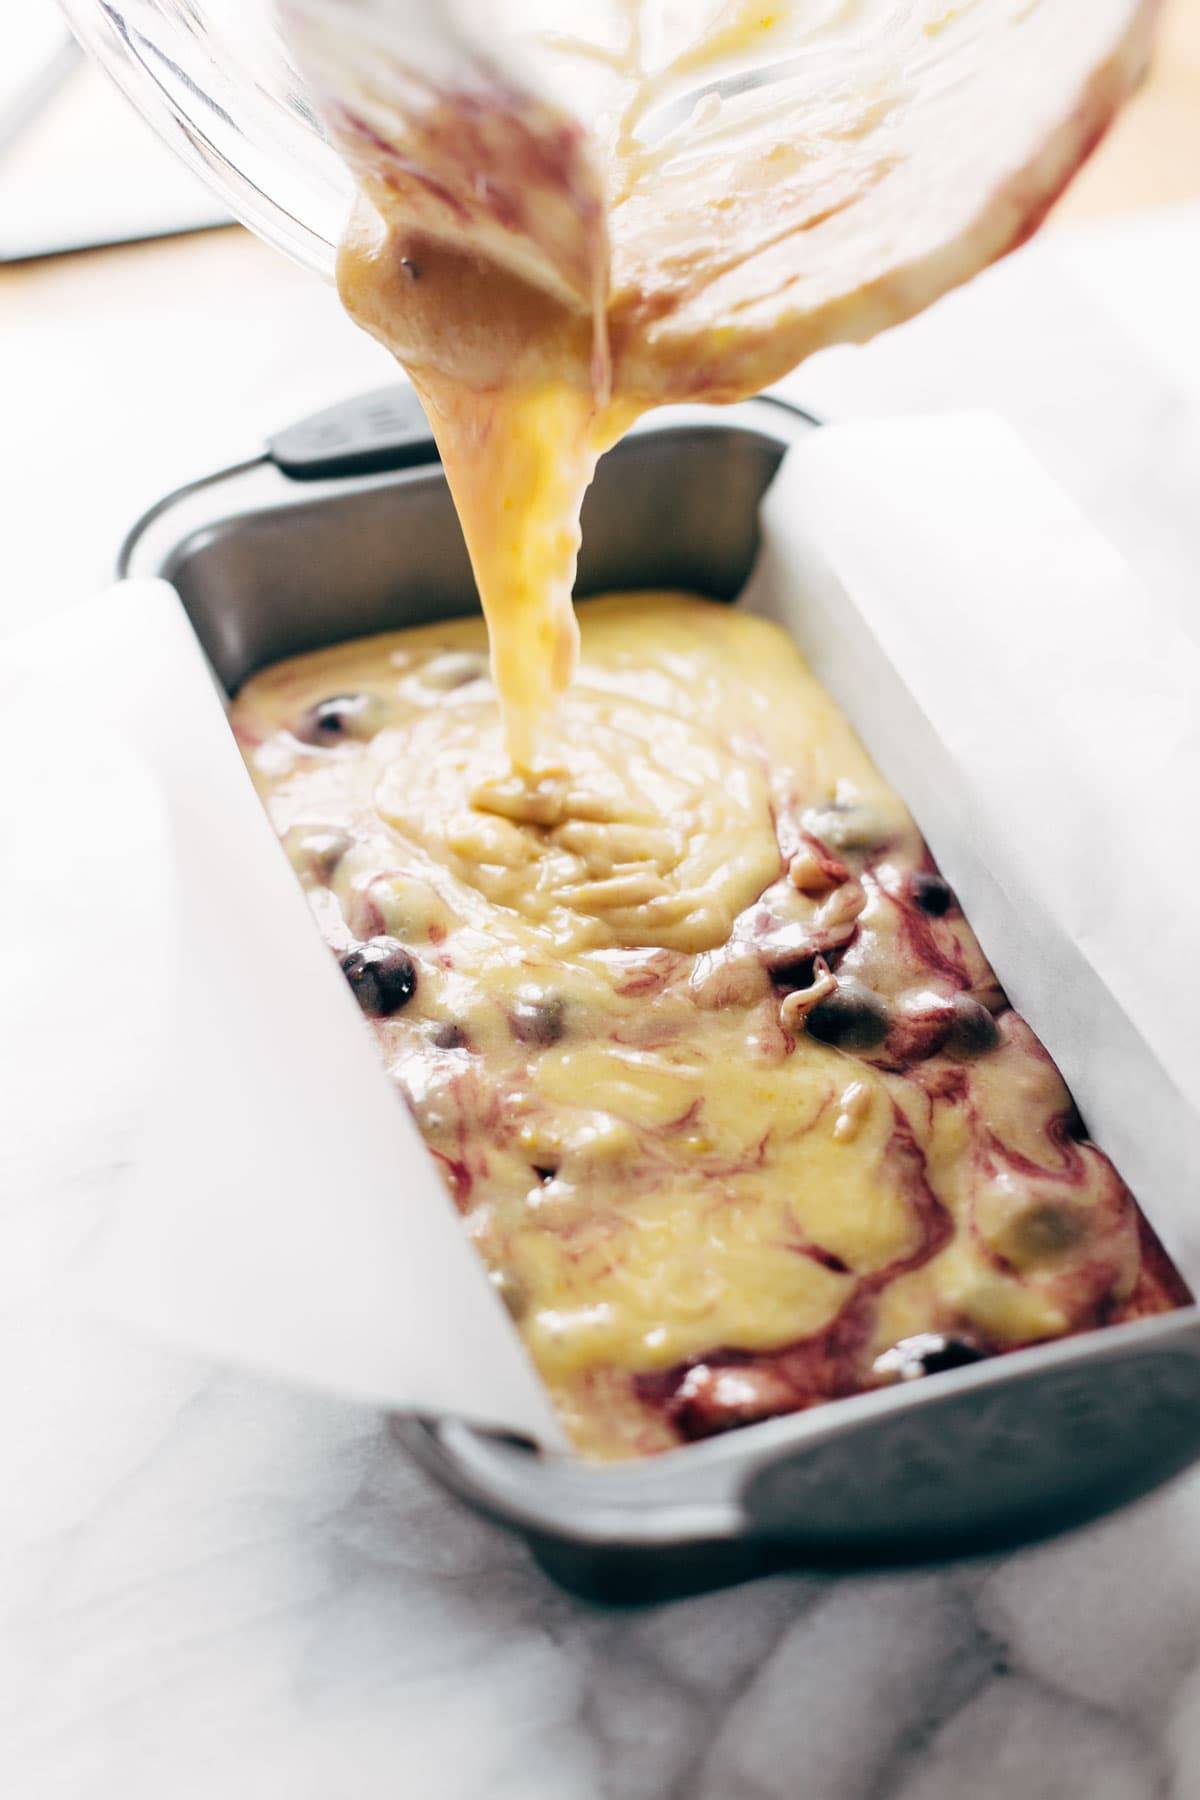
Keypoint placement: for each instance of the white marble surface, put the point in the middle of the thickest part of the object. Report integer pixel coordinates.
(212, 1586)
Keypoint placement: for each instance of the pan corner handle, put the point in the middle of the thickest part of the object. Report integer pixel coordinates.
(369, 434)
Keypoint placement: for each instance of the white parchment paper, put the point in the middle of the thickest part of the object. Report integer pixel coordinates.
(1041, 716)
(282, 1211)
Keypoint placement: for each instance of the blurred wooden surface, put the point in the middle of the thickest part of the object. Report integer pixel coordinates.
(1152, 155)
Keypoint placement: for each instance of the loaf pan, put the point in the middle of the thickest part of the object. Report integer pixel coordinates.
(343, 527)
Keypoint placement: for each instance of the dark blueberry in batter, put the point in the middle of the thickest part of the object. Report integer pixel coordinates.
(1047, 1230)
(449, 1037)
(931, 893)
(943, 1353)
(798, 973)
(382, 976)
(539, 1022)
(786, 952)
(334, 720)
(852, 1018)
(973, 1030)
(929, 1353)
(1074, 1126)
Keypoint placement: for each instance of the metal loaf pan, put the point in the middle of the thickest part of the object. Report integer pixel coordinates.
(344, 527)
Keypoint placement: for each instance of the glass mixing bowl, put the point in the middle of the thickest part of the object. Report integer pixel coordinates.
(944, 133)
(215, 81)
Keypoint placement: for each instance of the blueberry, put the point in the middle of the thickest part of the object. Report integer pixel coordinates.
(973, 1030)
(340, 717)
(852, 1018)
(1048, 1230)
(539, 1022)
(786, 952)
(449, 1037)
(1074, 1126)
(928, 1353)
(931, 893)
(382, 976)
(316, 850)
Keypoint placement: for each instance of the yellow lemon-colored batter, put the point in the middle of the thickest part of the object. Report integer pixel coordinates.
(717, 1074)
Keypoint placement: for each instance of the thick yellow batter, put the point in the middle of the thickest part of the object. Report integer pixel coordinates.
(717, 1074)
(520, 425)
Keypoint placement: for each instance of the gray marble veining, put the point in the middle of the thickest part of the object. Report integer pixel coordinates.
(215, 1586)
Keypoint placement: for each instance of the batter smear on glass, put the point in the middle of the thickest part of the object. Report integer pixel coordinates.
(603, 208)
(716, 1072)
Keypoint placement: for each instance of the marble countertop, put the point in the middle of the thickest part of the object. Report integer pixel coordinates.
(212, 1585)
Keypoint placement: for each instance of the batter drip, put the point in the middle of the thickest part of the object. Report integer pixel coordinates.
(685, 203)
